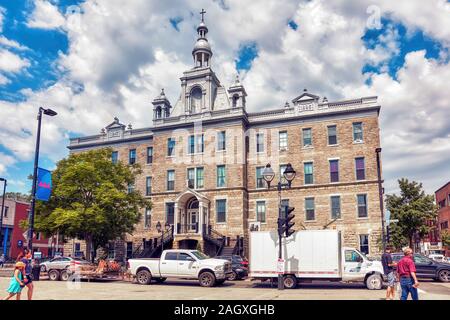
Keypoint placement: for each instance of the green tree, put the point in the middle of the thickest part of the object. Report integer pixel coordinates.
(90, 199)
(445, 238)
(413, 208)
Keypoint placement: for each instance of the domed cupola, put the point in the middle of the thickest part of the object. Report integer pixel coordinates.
(202, 50)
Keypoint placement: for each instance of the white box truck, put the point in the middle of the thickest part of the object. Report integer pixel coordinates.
(311, 255)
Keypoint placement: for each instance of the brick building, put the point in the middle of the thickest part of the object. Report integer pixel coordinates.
(202, 160)
(13, 236)
(443, 201)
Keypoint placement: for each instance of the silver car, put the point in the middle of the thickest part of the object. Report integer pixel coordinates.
(57, 267)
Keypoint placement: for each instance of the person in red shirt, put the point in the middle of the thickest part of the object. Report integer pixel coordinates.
(407, 272)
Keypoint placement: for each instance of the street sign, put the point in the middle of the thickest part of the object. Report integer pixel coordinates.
(387, 217)
(280, 266)
(19, 243)
(25, 235)
(394, 221)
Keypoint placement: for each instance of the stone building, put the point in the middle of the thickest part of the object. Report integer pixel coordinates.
(203, 156)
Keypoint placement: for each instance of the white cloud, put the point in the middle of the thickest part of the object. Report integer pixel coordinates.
(12, 44)
(45, 16)
(122, 55)
(5, 161)
(4, 80)
(10, 62)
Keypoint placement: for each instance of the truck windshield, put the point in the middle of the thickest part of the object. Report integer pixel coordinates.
(199, 255)
(363, 255)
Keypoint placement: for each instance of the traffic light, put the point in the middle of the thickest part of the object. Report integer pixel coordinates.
(288, 216)
(284, 221)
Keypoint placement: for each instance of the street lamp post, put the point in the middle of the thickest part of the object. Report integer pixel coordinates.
(51, 113)
(380, 193)
(3, 210)
(161, 230)
(268, 175)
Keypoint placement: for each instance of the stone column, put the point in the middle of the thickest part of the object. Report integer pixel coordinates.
(200, 218)
(175, 218)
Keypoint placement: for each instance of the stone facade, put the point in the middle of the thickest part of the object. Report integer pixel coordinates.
(205, 108)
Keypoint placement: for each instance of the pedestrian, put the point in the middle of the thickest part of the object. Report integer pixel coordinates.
(407, 272)
(388, 267)
(26, 259)
(17, 282)
(2, 260)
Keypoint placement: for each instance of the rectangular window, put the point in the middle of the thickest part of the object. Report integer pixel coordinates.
(364, 243)
(357, 132)
(309, 174)
(260, 182)
(221, 141)
(309, 209)
(171, 147)
(200, 178)
(360, 169)
(221, 210)
(115, 157)
(147, 218)
(282, 168)
(130, 187)
(221, 176)
(200, 143)
(362, 206)
(283, 140)
(38, 236)
(259, 142)
(170, 180)
(307, 137)
(332, 135)
(191, 178)
(129, 249)
(149, 155)
(5, 212)
(191, 144)
(334, 170)
(261, 211)
(132, 156)
(148, 186)
(77, 246)
(335, 207)
(170, 212)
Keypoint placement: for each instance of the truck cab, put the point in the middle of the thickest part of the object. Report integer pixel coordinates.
(357, 267)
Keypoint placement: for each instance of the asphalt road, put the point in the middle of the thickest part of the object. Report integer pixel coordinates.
(184, 289)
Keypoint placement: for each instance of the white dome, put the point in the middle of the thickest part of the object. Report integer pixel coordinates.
(202, 44)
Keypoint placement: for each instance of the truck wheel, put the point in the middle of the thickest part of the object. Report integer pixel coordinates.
(53, 275)
(160, 280)
(207, 279)
(64, 276)
(444, 275)
(374, 282)
(290, 282)
(143, 277)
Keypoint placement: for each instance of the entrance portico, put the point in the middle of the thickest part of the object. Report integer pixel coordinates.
(191, 213)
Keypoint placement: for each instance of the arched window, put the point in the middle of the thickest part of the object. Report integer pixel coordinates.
(192, 204)
(158, 113)
(235, 100)
(196, 100)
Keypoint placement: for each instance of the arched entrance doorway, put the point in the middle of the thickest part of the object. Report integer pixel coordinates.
(192, 215)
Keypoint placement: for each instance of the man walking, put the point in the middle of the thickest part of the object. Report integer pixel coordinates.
(388, 267)
(407, 273)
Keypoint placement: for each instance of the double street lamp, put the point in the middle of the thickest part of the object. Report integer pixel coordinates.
(289, 175)
(3, 210)
(51, 113)
(161, 230)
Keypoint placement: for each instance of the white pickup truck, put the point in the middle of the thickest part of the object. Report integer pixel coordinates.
(183, 264)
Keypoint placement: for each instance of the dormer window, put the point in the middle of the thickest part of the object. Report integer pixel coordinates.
(196, 100)
(235, 100)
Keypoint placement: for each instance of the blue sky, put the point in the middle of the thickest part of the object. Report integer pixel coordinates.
(274, 55)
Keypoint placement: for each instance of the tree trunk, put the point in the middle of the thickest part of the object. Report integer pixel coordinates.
(411, 242)
(88, 240)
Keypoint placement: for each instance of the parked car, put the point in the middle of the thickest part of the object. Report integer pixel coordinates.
(56, 267)
(181, 264)
(239, 267)
(437, 257)
(428, 268)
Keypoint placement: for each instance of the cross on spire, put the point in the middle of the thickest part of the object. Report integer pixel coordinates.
(203, 13)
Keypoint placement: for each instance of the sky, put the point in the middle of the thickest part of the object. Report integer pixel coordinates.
(92, 60)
